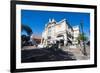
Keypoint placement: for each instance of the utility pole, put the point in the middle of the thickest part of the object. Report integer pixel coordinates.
(84, 47)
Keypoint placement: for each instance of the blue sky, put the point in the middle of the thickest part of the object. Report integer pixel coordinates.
(37, 19)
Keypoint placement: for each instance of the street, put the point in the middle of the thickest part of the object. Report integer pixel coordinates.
(52, 54)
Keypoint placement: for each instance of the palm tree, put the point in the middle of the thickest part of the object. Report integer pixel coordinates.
(82, 37)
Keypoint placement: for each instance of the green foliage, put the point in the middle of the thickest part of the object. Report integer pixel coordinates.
(82, 37)
(27, 29)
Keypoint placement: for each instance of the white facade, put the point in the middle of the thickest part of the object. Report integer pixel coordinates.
(57, 32)
(76, 34)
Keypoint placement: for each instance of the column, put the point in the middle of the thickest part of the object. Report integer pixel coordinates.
(65, 39)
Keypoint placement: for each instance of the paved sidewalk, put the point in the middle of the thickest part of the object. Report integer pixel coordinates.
(29, 47)
(77, 52)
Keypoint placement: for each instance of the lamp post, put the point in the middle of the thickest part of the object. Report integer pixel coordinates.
(84, 47)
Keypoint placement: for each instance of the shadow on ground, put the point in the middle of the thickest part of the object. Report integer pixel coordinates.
(45, 54)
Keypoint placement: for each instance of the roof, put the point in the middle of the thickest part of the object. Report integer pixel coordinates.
(54, 21)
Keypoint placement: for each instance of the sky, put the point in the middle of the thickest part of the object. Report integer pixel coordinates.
(37, 20)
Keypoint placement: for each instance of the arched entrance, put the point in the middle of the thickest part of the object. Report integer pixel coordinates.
(60, 40)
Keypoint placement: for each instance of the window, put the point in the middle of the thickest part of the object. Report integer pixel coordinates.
(49, 31)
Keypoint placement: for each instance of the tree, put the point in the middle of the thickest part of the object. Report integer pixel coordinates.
(82, 37)
(27, 29)
(25, 38)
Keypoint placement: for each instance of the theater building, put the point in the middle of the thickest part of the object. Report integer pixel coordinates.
(58, 32)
